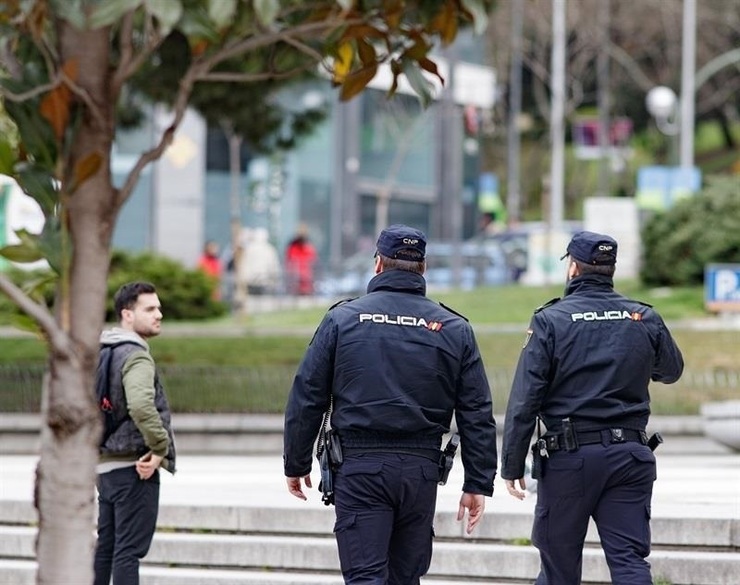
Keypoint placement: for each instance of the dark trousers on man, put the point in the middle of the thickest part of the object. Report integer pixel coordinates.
(385, 512)
(613, 483)
(127, 517)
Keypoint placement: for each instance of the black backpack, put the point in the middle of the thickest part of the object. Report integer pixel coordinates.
(102, 390)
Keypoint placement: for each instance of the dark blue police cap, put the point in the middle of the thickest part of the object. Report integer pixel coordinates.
(397, 240)
(593, 248)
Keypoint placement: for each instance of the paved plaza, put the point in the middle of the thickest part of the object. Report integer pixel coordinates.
(696, 478)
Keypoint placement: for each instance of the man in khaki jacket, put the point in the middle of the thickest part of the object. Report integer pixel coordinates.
(142, 442)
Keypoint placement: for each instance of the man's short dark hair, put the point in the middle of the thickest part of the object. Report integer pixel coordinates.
(417, 266)
(128, 294)
(603, 269)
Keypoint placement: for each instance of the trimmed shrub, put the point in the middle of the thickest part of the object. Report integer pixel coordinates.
(697, 231)
(185, 294)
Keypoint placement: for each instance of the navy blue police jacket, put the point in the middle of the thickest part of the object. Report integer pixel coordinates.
(398, 365)
(590, 357)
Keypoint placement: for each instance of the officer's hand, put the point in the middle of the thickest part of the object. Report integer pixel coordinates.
(294, 486)
(475, 504)
(511, 487)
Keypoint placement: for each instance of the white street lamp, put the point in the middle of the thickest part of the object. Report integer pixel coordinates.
(662, 104)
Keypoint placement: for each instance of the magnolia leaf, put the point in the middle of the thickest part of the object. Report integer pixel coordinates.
(51, 246)
(36, 135)
(27, 238)
(21, 253)
(55, 109)
(445, 23)
(111, 11)
(393, 13)
(343, 62)
(477, 10)
(7, 157)
(70, 10)
(197, 26)
(34, 288)
(24, 322)
(418, 51)
(396, 69)
(86, 168)
(221, 12)
(366, 52)
(266, 10)
(38, 185)
(420, 84)
(355, 82)
(431, 67)
(346, 4)
(167, 12)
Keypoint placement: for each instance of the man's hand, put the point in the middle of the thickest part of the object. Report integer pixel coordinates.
(475, 504)
(511, 487)
(147, 465)
(294, 485)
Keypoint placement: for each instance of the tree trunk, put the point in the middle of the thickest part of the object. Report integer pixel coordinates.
(65, 481)
(725, 125)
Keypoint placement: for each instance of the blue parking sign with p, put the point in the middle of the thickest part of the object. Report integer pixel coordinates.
(722, 287)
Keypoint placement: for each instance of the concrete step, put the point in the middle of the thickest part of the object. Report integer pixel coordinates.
(23, 573)
(470, 560)
(694, 533)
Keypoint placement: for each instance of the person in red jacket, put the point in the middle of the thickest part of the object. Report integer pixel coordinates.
(300, 257)
(210, 264)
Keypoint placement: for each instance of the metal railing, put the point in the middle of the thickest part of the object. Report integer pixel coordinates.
(211, 389)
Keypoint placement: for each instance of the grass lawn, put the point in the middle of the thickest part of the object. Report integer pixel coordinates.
(252, 371)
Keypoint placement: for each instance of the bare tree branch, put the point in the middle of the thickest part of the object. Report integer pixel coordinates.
(251, 77)
(31, 93)
(630, 66)
(85, 97)
(541, 98)
(126, 45)
(59, 78)
(131, 63)
(303, 48)
(59, 340)
(179, 107)
(9, 61)
(716, 98)
(252, 43)
(200, 70)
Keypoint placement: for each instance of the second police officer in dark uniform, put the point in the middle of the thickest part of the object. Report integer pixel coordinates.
(584, 371)
(397, 366)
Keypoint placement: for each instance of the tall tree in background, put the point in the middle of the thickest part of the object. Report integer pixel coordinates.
(254, 115)
(64, 65)
(644, 49)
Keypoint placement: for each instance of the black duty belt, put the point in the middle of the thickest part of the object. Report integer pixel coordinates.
(605, 436)
(429, 453)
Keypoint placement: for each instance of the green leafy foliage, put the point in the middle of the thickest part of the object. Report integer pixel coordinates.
(185, 294)
(697, 231)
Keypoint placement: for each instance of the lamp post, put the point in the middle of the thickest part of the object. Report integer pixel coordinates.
(661, 103)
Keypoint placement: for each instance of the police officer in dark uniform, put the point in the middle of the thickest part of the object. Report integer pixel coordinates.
(582, 380)
(396, 366)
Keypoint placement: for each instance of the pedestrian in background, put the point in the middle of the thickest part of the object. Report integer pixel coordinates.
(210, 264)
(394, 366)
(142, 442)
(583, 375)
(300, 258)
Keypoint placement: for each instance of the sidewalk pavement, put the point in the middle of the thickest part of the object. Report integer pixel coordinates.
(696, 479)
